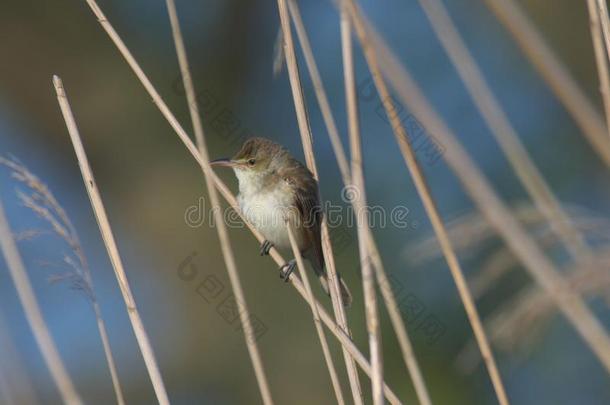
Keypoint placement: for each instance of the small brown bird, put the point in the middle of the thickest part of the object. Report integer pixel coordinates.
(274, 188)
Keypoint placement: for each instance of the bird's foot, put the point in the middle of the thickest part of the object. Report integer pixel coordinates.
(287, 269)
(265, 247)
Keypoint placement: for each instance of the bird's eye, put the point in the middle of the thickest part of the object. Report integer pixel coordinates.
(251, 162)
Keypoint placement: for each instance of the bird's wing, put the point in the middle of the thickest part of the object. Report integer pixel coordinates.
(307, 202)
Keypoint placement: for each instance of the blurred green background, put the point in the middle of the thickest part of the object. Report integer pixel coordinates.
(148, 180)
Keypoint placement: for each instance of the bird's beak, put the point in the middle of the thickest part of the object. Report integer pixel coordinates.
(223, 162)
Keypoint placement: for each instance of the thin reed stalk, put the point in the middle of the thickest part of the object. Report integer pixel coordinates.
(488, 202)
(360, 207)
(554, 73)
(316, 317)
(337, 331)
(602, 13)
(430, 206)
(307, 142)
(500, 126)
(374, 256)
(101, 327)
(111, 247)
(314, 73)
(28, 300)
(221, 228)
(601, 58)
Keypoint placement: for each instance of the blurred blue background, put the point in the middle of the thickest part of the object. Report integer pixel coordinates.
(148, 179)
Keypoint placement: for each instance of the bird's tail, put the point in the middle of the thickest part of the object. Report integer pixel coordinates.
(346, 295)
(317, 263)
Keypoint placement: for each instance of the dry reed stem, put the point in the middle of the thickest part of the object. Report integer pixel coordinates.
(111, 246)
(496, 119)
(337, 331)
(322, 98)
(316, 317)
(362, 221)
(307, 142)
(223, 236)
(602, 13)
(430, 206)
(492, 208)
(374, 256)
(554, 73)
(101, 326)
(601, 58)
(33, 314)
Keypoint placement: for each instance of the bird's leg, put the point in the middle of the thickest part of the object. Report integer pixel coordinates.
(265, 247)
(287, 269)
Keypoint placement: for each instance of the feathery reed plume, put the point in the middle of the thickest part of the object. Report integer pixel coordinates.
(336, 330)
(43, 203)
(488, 202)
(223, 236)
(429, 204)
(470, 231)
(374, 256)
(500, 126)
(316, 316)
(362, 221)
(601, 58)
(554, 73)
(111, 246)
(307, 142)
(523, 320)
(33, 314)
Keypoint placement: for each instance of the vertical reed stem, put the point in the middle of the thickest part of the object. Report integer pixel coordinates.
(223, 235)
(430, 206)
(111, 246)
(361, 212)
(316, 317)
(601, 58)
(306, 140)
(384, 284)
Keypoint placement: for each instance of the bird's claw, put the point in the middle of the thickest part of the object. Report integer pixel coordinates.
(287, 269)
(265, 247)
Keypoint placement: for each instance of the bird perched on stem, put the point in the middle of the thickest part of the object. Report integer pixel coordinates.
(276, 189)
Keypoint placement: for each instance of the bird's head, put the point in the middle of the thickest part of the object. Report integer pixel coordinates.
(257, 158)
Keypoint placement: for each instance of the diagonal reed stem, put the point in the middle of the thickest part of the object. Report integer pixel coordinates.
(307, 142)
(554, 73)
(493, 114)
(601, 58)
(223, 236)
(360, 207)
(316, 318)
(111, 246)
(602, 13)
(374, 256)
(493, 209)
(430, 206)
(336, 330)
(101, 327)
(28, 300)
